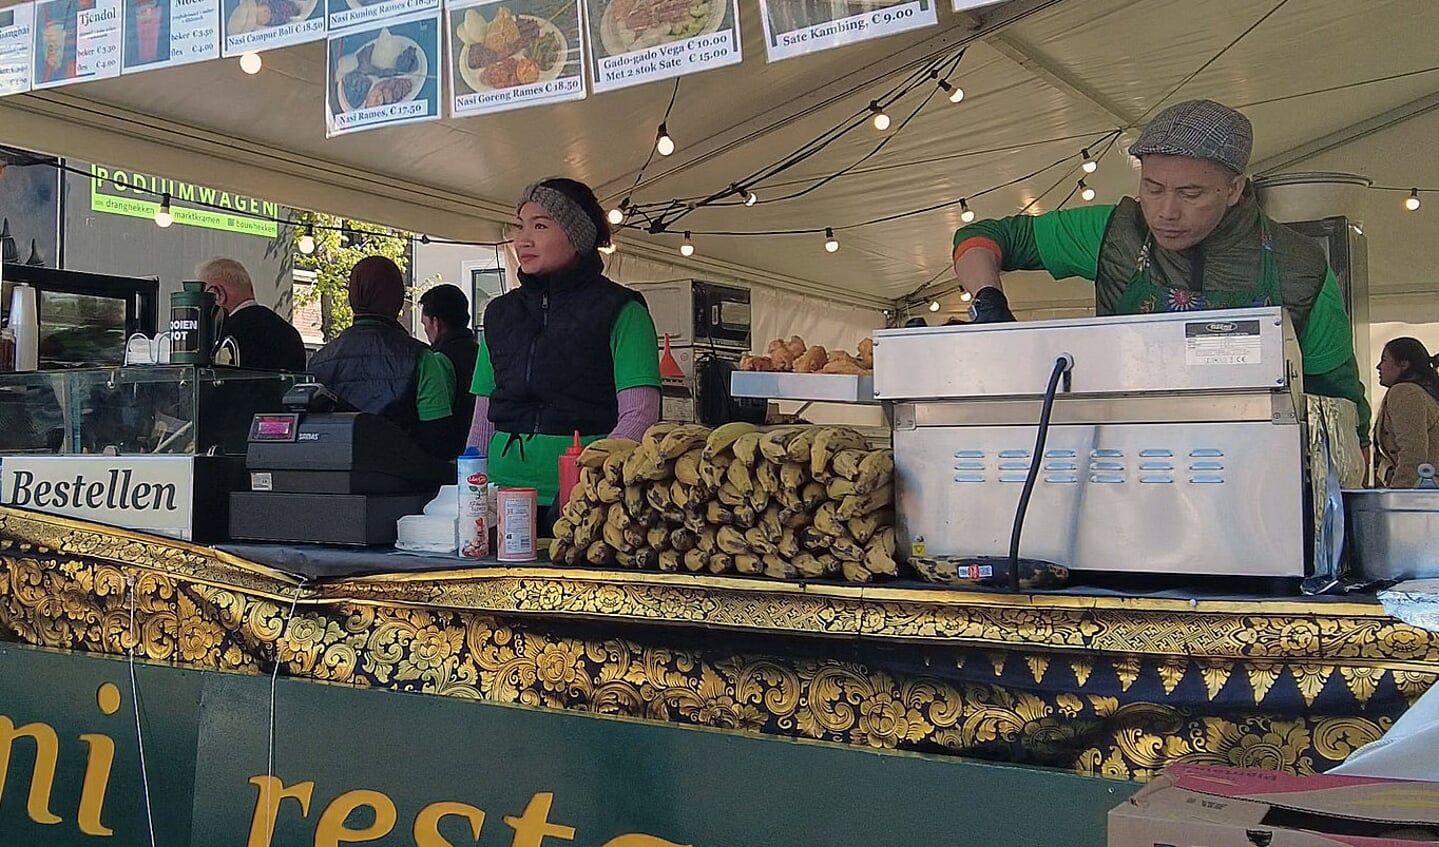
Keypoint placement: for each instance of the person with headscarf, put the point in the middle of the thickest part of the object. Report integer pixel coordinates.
(1194, 240)
(376, 366)
(1407, 432)
(566, 351)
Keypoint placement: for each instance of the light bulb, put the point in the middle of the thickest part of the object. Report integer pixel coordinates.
(1412, 201)
(664, 145)
(831, 244)
(1085, 191)
(934, 305)
(956, 93)
(307, 241)
(616, 216)
(687, 247)
(881, 120)
(250, 63)
(750, 198)
(163, 218)
(1090, 165)
(966, 214)
(965, 297)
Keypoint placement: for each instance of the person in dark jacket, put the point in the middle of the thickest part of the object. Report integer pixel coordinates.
(378, 367)
(567, 351)
(445, 317)
(266, 341)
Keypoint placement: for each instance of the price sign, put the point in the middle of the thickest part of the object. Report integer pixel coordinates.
(75, 41)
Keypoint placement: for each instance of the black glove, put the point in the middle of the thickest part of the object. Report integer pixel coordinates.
(990, 307)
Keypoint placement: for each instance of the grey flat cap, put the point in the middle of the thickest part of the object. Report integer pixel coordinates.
(1199, 129)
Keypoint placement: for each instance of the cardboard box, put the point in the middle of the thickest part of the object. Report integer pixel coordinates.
(1197, 806)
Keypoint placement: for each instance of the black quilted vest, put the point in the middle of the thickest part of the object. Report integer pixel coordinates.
(373, 366)
(549, 343)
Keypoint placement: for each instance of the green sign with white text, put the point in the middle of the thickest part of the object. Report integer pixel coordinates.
(358, 766)
(138, 195)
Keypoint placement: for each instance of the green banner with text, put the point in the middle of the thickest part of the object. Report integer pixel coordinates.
(351, 766)
(137, 195)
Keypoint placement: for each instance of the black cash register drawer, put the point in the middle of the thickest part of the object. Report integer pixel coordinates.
(351, 519)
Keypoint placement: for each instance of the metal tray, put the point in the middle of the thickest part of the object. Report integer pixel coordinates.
(1393, 533)
(819, 388)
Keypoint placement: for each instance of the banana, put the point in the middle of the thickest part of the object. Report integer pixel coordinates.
(608, 492)
(614, 536)
(634, 537)
(813, 495)
(708, 540)
(828, 441)
(865, 527)
(658, 496)
(723, 438)
(614, 469)
(721, 563)
(793, 475)
(847, 549)
(558, 548)
(589, 478)
(658, 537)
(564, 530)
(648, 517)
(738, 476)
(713, 471)
(682, 440)
(652, 468)
(574, 556)
(879, 561)
(826, 519)
(730, 496)
(746, 447)
(862, 504)
(616, 514)
(731, 541)
(779, 568)
(647, 559)
(680, 493)
(839, 488)
(669, 561)
(596, 453)
(600, 553)
(876, 471)
(766, 477)
(718, 514)
(747, 564)
(696, 560)
(624, 560)
(885, 540)
(694, 521)
(774, 445)
(794, 517)
(687, 468)
(588, 529)
(830, 562)
(812, 539)
(657, 433)
(807, 566)
(770, 525)
(846, 463)
(759, 542)
(634, 500)
(745, 516)
(789, 545)
(797, 449)
(855, 572)
(630, 472)
(682, 540)
(672, 516)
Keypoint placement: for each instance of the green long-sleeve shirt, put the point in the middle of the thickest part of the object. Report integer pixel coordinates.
(1067, 242)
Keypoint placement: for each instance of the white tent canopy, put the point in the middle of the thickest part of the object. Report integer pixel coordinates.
(1043, 78)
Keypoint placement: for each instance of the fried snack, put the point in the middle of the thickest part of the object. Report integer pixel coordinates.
(811, 361)
(796, 346)
(779, 353)
(866, 353)
(761, 364)
(841, 362)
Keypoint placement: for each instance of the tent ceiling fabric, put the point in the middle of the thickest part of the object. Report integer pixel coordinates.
(1041, 88)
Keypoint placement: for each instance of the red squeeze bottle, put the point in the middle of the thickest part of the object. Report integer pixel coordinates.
(570, 470)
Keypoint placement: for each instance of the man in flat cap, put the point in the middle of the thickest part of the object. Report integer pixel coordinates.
(1195, 239)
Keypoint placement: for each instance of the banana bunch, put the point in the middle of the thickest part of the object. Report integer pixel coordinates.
(792, 502)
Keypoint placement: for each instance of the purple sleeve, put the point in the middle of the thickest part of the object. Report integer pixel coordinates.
(639, 410)
(481, 429)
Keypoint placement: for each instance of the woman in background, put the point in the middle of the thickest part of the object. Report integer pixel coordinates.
(1407, 432)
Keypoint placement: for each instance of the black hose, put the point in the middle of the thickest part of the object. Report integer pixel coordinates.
(1062, 366)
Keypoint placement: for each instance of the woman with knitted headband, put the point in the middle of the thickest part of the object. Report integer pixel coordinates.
(567, 351)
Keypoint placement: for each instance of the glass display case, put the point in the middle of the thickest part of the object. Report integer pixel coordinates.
(152, 409)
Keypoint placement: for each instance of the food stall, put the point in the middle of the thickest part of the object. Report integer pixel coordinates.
(812, 623)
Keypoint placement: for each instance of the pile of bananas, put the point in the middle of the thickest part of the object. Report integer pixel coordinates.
(789, 502)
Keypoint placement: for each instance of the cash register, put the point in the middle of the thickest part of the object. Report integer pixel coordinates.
(323, 472)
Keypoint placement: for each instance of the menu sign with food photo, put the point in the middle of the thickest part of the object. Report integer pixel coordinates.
(254, 25)
(17, 26)
(639, 41)
(350, 13)
(384, 76)
(508, 54)
(798, 27)
(75, 41)
(166, 33)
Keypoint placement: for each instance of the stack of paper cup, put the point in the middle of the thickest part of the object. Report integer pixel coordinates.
(25, 322)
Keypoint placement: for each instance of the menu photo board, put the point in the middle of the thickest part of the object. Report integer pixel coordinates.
(379, 76)
(167, 33)
(509, 54)
(250, 26)
(17, 27)
(799, 27)
(639, 41)
(344, 14)
(75, 41)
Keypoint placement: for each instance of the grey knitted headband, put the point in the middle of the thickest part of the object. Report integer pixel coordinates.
(582, 232)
